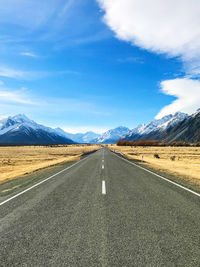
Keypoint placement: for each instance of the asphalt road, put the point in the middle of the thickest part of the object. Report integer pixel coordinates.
(101, 212)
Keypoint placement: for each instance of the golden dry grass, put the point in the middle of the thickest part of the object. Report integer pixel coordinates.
(186, 164)
(17, 161)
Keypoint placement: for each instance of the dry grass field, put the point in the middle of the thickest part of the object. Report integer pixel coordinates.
(17, 161)
(182, 162)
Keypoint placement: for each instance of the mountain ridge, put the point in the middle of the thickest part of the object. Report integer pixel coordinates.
(111, 136)
(153, 128)
(79, 137)
(19, 129)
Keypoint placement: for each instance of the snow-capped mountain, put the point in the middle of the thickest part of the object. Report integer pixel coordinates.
(88, 137)
(178, 129)
(20, 129)
(155, 126)
(111, 136)
(187, 130)
(79, 137)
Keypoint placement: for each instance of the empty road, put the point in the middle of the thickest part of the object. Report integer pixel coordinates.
(103, 211)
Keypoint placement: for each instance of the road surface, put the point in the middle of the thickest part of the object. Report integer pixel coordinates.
(103, 211)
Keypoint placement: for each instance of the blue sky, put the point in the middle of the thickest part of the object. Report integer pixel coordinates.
(79, 65)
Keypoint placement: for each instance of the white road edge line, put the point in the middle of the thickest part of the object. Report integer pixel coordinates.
(103, 187)
(35, 185)
(174, 183)
(102, 166)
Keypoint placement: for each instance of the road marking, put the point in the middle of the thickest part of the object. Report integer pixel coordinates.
(103, 187)
(102, 166)
(174, 183)
(35, 185)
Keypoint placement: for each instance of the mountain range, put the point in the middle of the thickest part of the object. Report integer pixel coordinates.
(20, 129)
(147, 131)
(187, 130)
(155, 129)
(82, 138)
(111, 136)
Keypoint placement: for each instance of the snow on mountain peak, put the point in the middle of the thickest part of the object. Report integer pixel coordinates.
(112, 135)
(20, 128)
(157, 125)
(17, 121)
(22, 122)
(79, 137)
(21, 117)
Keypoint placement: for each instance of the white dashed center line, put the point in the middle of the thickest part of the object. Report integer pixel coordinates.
(103, 187)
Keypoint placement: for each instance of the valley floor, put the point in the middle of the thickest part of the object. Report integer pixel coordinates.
(20, 160)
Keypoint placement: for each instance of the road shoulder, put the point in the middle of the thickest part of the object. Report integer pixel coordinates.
(174, 178)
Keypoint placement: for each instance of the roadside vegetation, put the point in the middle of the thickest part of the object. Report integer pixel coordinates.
(155, 143)
(16, 161)
(178, 160)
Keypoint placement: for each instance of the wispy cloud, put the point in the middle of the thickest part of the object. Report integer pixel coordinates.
(11, 73)
(92, 38)
(27, 101)
(74, 105)
(38, 16)
(50, 21)
(21, 74)
(35, 12)
(15, 96)
(131, 59)
(28, 54)
(31, 75)
(67, 5)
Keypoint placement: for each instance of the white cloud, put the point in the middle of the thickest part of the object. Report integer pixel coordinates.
(171, 27)
(28, 54)
(1, 82)
(187, 92)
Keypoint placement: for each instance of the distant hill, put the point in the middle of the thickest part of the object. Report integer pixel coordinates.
(82, 138)
(21, 130)
(111, 136)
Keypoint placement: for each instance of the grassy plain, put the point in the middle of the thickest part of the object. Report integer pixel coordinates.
(183, 162)
(20, 160)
